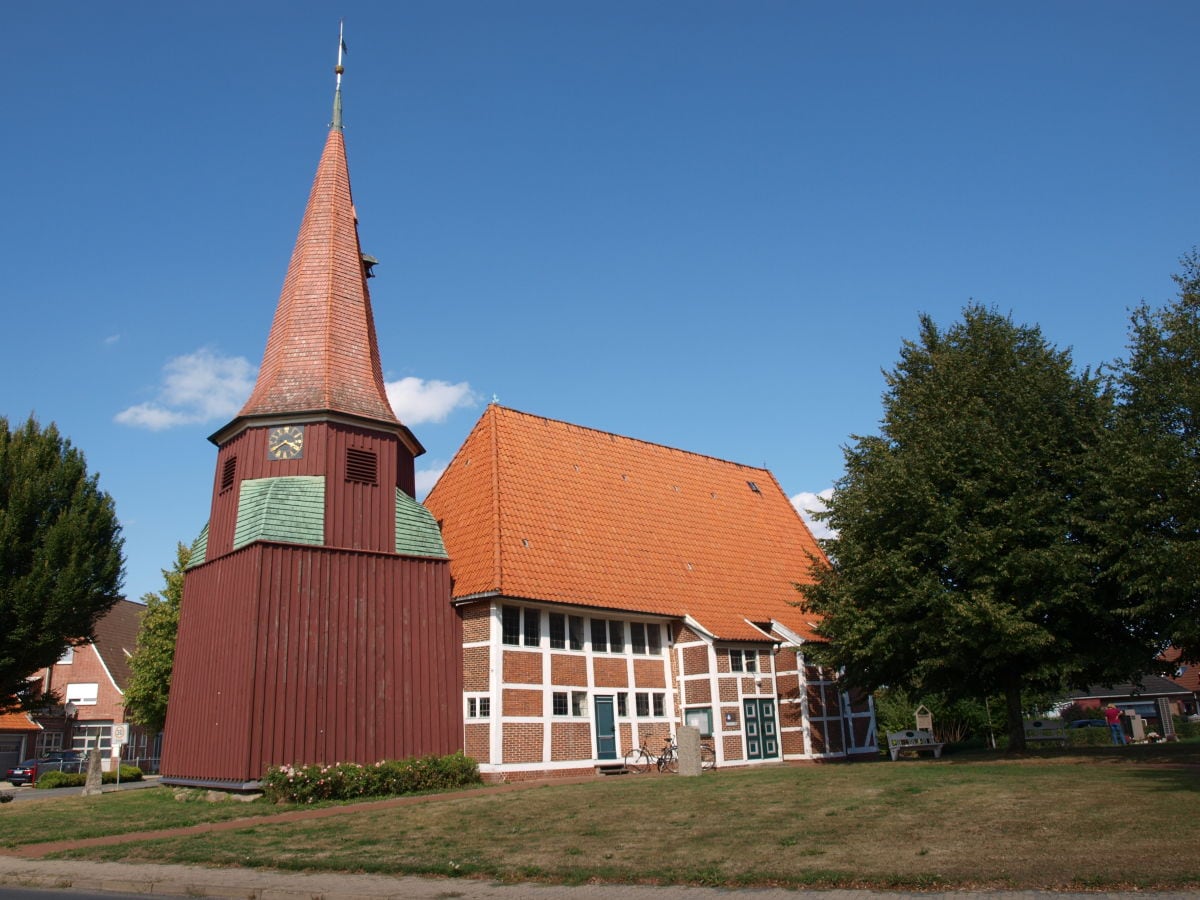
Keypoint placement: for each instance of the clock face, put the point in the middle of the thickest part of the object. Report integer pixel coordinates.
(286, 442)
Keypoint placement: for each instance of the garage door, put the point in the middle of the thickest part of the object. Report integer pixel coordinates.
(11, 748)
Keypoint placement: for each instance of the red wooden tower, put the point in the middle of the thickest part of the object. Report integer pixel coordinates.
(316, 622)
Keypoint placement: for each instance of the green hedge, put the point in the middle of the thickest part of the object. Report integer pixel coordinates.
(389, 778)
(79, 779)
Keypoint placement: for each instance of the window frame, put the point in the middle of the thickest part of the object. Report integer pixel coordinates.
(510, 638)
(558, 631)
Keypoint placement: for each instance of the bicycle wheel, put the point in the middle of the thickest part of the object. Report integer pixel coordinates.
(708, 758)
(668, 762)
(637, 761)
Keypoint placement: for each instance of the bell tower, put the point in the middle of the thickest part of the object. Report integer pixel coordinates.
(316, 624)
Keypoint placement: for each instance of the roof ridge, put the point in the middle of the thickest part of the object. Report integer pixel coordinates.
(625, 437)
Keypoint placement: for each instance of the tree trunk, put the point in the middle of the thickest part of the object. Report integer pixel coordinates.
(1014, 714)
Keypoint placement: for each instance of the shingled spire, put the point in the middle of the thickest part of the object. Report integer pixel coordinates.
(322, 354)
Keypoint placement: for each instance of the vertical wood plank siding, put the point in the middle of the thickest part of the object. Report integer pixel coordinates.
(329, 656)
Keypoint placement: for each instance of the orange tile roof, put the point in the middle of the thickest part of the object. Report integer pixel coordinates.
(17, 721)
(539, 509)
(322, 353)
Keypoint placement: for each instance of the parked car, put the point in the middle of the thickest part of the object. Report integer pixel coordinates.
(30, 770)
(1088, 723)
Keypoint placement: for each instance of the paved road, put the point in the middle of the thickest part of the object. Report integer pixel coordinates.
(28, 792)
(73, 880)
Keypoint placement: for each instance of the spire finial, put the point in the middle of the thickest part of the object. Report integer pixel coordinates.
(338, 70)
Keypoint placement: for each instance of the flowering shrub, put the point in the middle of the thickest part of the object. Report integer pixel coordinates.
(387, 778)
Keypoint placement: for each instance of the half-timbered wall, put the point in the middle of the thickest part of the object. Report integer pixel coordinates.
(530, 692)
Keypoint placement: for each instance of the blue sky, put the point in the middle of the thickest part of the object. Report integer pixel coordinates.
(704, 224)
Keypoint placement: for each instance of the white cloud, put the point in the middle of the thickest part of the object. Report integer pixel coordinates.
(416, 400)
(196, 388)
(426, 479)
(806, 504)
(111, 339)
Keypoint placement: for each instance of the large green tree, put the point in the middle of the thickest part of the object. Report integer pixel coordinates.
(60, 553)
(966, 561)
(1153, 513)
(154, 659)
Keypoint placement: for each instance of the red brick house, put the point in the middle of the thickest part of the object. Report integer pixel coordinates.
(613, 589)
(1187, 676)
(90, 680)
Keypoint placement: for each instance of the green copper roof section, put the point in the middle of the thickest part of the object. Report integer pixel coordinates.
(289, 508)
(199, 549)
(417, 532)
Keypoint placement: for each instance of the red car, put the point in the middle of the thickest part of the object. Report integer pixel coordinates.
(30, 770)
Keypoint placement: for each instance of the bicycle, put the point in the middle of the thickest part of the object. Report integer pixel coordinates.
(640, 759)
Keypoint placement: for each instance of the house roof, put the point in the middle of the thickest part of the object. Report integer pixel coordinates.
(540, 509)
(1150, 686)
(17, 721)
(1187, 674)
(116, 638)
(322, 354)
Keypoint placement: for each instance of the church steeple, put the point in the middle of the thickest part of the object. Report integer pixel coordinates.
(322, 355)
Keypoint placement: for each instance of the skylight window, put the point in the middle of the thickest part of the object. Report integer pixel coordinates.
(754, 487)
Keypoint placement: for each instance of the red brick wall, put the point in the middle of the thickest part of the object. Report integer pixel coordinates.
(475, 668)
(727, 689)
(522, 742)
(477, 744)
(734, 723)
(519, 702)
(610, 672)
(697, 691)
(733, 746)
(87, 669)
(695, 660)
(792, 742)
(522, 667)
(788, 685)
(570, 740)
(648, 673)
(567, 670)
(477, 623)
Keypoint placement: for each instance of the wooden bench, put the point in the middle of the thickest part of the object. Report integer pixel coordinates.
(915, 741)
(1038, 730)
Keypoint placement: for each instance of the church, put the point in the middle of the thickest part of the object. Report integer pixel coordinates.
(563, 595)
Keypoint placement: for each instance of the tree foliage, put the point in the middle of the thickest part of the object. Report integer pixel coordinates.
(60, 552)
(1153, 514)
(966, 562)
(154, 658)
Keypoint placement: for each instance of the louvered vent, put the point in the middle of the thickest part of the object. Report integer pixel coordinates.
(228, 472)
(362, 466)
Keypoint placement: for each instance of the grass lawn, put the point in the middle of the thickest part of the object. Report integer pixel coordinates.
(1084, 819)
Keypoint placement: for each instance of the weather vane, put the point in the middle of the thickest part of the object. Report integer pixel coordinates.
(338, 70)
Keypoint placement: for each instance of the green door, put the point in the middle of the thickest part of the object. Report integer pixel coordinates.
(606, 729)
(762, 731)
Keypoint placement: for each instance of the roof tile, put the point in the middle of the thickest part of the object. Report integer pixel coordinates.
(541, 509)
(322, 353)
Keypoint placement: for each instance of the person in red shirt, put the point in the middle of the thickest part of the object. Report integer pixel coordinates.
(1112, 716)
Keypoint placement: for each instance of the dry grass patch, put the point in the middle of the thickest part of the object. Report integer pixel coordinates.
(147, 809)
(1037, 823)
